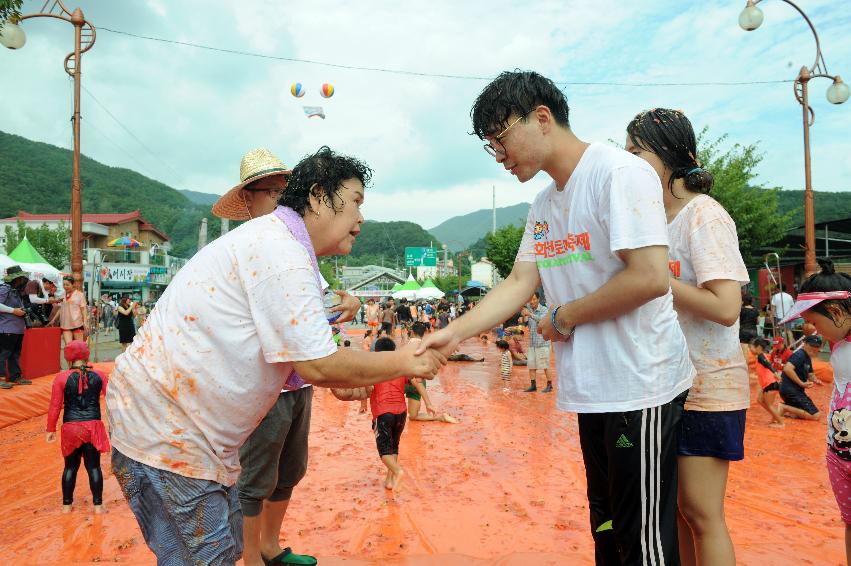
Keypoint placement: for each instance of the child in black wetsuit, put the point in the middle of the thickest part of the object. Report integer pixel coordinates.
(77, 392)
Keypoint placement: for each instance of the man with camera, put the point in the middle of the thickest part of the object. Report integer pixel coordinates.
(12, 326)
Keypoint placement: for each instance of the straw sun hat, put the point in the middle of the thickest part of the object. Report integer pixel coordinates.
(255, 165)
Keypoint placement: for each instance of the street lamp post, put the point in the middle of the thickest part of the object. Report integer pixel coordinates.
(838, 92)
(12, 36)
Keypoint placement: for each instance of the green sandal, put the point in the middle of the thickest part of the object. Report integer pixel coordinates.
(290, 557)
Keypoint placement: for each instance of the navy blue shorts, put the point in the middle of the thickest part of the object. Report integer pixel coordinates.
(719, 434)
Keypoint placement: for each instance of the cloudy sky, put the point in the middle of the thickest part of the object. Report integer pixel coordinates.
(185, 116)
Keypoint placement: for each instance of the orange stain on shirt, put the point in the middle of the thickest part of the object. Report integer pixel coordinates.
(190, 318)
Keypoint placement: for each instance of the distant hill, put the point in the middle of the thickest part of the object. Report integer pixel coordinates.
(470, 229)
(204, 199)
(36, 177)
(459, 232)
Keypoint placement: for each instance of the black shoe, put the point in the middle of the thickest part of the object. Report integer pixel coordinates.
(20, 381)
(530, 389)
(548, 388)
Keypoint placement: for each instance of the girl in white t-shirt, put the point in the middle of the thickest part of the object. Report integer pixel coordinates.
(707, 272)
(825, 302)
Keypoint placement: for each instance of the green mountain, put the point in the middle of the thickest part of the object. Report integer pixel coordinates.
(459, 232)
(469, 230)
(36, 177)
(204, 199)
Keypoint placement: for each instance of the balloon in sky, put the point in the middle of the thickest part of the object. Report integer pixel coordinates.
(297, 89)
(327, 90)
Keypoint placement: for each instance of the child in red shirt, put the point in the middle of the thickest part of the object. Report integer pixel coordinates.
(769, 382)
(779, 354)
(77, 392)
(389, 412)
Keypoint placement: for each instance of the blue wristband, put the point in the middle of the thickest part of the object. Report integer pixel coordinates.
(555, 324)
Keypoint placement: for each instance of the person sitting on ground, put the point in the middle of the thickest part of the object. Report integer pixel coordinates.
(797, 377)
(415, 390)
(76, 393)
(388, 406)
(769, 383)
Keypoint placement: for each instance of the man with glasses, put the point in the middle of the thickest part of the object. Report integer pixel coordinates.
(596, 238)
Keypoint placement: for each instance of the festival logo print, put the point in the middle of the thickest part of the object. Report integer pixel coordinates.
(674, 266)
(573, 248)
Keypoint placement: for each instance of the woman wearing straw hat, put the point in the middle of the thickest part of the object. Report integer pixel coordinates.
(242, 319)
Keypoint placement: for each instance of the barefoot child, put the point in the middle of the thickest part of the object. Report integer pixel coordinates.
(769, 383)
(825, 302)
(77, 392)
(504, 365)
(415, 390)
(388, 418)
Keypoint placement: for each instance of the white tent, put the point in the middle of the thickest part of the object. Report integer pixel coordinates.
(430, 291)
(39, 270)
(407, 291)
(5, 261)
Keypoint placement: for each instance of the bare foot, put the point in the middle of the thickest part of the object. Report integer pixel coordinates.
(66, 509)
(397, 479)
(99, 510)
(776, 424)
(388, 483)
(447, 418)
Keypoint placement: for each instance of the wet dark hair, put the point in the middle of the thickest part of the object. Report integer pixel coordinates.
(747, 300)
(322, 175)
(347, 343)
(368, 333)
(761, 342)
(385, 345)
(828, 280)
(668, 134)
(419, 328)
(502, 344)
(68, 278)
(516, 93)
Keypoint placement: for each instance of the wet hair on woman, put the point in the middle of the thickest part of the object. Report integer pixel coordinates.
(322, 175)
(516, 93)
(828, 279)
(669, 134)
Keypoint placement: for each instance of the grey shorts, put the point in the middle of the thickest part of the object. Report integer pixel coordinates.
(274, 458)
(538, 358)
(184, 520)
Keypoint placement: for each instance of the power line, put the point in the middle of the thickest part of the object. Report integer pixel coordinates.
(134, 136)
(407, 72)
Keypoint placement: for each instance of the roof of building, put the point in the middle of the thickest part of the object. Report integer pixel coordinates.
(106, 219)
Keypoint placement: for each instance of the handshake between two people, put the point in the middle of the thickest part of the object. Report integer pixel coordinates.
(413, 360)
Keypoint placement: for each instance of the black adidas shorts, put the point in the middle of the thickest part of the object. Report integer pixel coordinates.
(631, 468)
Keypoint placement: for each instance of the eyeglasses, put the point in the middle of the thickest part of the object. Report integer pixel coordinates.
(272, 192)
(490, 149)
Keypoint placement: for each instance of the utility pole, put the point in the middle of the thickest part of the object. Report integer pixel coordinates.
(493, 217)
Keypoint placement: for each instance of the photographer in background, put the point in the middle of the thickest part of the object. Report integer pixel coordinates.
(12, 326)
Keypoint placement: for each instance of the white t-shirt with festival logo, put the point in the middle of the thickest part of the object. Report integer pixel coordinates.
(705, 247)
(215, 352)
(612, 202)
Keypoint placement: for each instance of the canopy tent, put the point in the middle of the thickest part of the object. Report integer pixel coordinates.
(408, 290)
(33, 262)
(396, 287)
(6, 261)
(430, 291)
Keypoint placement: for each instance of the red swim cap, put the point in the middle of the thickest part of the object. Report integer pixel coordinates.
(76, 350)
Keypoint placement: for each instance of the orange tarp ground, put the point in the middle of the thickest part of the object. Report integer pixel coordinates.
(504, 487)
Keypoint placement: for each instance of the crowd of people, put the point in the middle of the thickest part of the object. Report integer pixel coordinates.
(642, 276)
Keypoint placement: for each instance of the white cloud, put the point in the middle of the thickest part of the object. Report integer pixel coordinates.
(201, 111)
